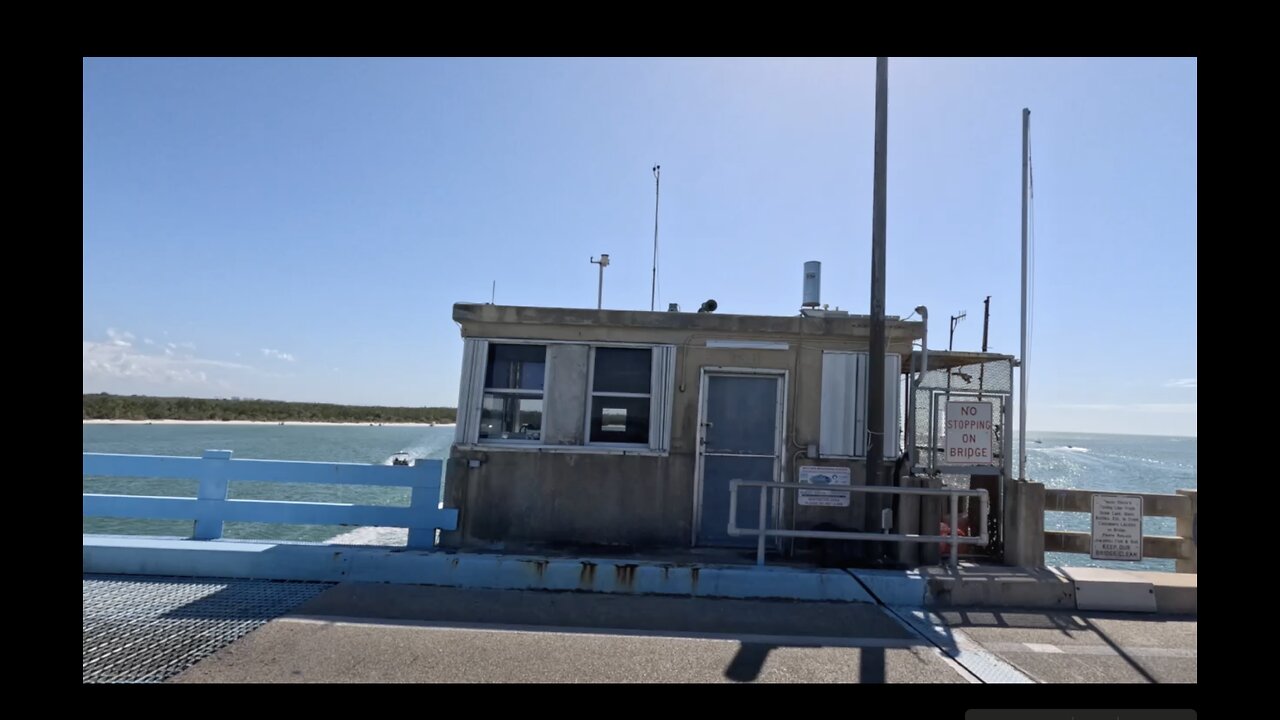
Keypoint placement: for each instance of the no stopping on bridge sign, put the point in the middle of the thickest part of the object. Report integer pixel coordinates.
(969, 433)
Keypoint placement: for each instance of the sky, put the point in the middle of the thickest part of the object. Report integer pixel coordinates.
(299, 229)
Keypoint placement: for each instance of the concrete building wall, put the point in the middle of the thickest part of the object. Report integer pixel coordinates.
(554, 496)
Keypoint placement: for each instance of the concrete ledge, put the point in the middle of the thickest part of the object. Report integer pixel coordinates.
(906, 588)
(1176, 593)
(1134, 590)
(334, 563)
(1098, 589)
(999, 587)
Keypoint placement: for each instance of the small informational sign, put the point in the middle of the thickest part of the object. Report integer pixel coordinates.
(969, 433)
(824, 476)
(1117, 527)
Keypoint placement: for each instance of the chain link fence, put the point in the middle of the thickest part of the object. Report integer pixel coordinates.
(967, 377)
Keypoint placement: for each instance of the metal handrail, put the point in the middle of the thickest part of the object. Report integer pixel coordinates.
(953, 539)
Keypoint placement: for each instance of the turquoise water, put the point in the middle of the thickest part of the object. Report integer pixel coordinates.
(1059, 460)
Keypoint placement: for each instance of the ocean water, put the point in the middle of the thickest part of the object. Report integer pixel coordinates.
(1134, 463)
(1093, 462)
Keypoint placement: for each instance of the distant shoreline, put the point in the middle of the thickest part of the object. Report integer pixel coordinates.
(262, 422)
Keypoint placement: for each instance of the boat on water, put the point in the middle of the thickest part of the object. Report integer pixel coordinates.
(401, 458)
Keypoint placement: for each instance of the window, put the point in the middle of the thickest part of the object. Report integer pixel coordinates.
(843, 420)
(511, 408)
(563, 396)
(620, 395)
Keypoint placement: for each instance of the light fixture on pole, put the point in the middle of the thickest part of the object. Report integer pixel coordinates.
(603, 262)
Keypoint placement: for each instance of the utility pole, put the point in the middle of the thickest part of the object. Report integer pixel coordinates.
(1022, 372)
(603, 262)
(875, 395)
(657, 185)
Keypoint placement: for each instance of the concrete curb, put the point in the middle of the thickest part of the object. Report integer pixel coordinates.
(1035, 589)
(936, 588)
(334, 563)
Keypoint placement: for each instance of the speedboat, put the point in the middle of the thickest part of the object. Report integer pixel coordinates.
(401, 458)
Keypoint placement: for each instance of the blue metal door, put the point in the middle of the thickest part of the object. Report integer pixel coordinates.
(738, 439)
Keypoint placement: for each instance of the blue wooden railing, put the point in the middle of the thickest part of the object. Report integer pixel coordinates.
(211, 507)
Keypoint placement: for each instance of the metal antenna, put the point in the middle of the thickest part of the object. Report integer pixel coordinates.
(955, 320)
(493, 292)
(657, 184)
(986, 322)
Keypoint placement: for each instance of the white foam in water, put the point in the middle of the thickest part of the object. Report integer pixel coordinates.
(372, 536)
(1059, 449)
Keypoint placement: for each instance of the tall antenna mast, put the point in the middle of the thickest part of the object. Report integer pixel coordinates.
(657, 184)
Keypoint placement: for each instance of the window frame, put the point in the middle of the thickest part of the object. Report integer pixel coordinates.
(855, 399)
(661, 409)
(509, 393)
(591, 398)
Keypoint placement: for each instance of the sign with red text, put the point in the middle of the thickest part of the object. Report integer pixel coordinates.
(969, 433)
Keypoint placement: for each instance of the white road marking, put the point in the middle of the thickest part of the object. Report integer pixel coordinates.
(789, 640)
(1020, 647)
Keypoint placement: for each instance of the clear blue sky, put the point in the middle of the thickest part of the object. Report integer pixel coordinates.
(299, 229)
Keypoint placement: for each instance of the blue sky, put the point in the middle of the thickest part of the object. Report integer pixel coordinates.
(299, 229)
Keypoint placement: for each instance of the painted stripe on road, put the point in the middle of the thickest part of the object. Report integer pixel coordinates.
(789, 640)
(1025, 647)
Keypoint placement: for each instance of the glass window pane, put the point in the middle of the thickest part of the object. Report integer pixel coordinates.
(742, 415)
(516, 367)
(510, 417)
(622, 370)
(620, 419)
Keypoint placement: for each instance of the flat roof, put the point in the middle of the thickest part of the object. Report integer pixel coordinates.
(849, 326)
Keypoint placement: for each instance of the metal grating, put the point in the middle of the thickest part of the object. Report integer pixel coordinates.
(148, 629)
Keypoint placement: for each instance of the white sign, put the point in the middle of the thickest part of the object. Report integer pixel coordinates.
(1117, 527)
(823, 476)
(969, 433)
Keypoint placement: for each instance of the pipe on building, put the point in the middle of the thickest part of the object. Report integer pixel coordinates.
(924, 343)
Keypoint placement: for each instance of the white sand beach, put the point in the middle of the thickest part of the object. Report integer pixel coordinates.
(258, 422)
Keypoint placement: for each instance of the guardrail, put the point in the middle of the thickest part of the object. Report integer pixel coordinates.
(215, 470)
(954, 539)
(1183, 506)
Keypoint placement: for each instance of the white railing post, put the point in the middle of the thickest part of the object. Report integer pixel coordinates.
(211, 494)
(422, 538)
(761, 539)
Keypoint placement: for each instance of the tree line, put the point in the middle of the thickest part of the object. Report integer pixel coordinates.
(103, 406)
